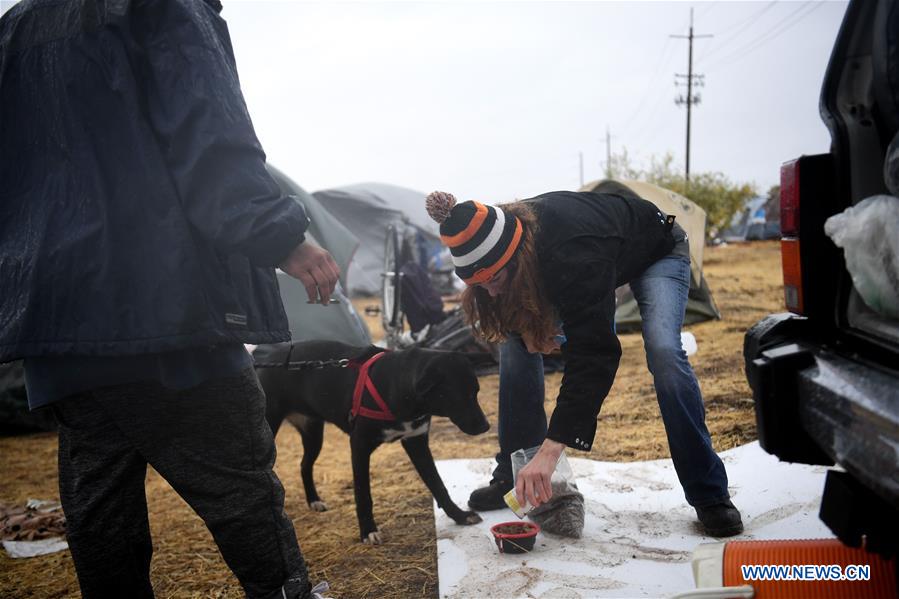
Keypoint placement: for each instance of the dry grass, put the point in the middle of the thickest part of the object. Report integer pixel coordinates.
(745, 280)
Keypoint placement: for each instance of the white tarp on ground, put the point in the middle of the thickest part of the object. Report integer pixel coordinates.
(639, 534)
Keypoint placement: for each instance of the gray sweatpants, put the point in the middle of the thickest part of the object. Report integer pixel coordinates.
(212, 444)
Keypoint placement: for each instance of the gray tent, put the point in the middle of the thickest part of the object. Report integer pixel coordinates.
(338, 322)
(700, 304)
(368, 209)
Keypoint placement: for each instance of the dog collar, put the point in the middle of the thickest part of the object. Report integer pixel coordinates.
(363, 383)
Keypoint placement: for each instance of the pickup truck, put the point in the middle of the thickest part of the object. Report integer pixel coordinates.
(825, 375)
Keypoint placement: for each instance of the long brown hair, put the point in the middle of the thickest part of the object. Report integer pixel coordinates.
(523, 307)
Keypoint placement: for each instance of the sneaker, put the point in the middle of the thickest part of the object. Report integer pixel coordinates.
(320, 588)
(720, 520)
(490, 497)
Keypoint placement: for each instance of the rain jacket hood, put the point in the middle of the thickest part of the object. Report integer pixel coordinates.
(136, 214)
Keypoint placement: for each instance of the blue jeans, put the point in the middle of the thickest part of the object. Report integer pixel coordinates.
(661, 294)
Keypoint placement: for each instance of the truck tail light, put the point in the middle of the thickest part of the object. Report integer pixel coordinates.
(792, 267)
(789, 245)
(789, 198)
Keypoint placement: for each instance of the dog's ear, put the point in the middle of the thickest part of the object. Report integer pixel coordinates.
(442, 377)
(429, 379)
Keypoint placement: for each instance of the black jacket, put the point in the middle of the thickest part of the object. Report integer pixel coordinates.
(587, 245)
(136, 213)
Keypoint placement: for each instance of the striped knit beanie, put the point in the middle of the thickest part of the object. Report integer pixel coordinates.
(481, 238)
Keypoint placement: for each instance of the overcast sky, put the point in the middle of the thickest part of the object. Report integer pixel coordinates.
(495, 100)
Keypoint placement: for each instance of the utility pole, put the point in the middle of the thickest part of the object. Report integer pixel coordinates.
(608, 169)
(581, 156)
(692, 79)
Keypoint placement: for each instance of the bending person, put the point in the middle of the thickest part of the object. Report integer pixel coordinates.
(543, 271)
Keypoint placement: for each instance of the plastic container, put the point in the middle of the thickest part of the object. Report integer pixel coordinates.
(512, 501)
(515, 537)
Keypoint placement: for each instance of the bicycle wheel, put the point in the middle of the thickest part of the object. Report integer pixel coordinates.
(391, 313)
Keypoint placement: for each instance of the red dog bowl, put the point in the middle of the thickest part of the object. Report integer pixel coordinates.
(515, 537)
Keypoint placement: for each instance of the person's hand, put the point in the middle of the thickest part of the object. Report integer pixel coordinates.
(534, 480)
(540, 346)
(315, 269)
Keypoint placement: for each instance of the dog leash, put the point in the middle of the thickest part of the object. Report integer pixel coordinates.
(289, 364)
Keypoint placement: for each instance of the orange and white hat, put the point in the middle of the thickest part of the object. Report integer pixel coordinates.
(481, 238)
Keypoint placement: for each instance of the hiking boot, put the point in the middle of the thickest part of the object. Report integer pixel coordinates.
(490, 497)
(720, 519)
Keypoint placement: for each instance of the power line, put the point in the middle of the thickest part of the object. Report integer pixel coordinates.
(812, 7)
(783, 26)
(708, 8)
(665, 58)
(779, 27)
(647, 125)
(743, 25)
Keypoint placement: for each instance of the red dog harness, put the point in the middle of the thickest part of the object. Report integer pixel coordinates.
(364, 382)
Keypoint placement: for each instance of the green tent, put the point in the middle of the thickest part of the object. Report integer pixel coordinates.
(700, 304)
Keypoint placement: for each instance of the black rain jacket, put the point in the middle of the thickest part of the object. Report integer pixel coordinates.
(587, 245)
(136, 214)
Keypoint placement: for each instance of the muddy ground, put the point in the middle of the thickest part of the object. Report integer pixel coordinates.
(745, 280)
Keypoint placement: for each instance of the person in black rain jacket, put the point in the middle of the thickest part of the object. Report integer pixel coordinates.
(139, 232)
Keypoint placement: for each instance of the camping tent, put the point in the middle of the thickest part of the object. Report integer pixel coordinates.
(368, 209)
(339, 322)
(700, 304)
(758, 219)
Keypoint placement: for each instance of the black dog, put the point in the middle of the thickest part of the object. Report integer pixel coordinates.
(414, 384)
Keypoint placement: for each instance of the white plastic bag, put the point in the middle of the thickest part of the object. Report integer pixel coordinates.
(869, 235)
(688, 342)
(561, 476)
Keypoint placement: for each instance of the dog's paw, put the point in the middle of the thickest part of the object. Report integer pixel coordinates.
(468, 518)
(318, 506)
(373, 538)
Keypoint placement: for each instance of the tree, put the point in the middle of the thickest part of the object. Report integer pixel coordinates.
(712, 191)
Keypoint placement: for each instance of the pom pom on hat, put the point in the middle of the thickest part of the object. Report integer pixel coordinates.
(440, 205)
